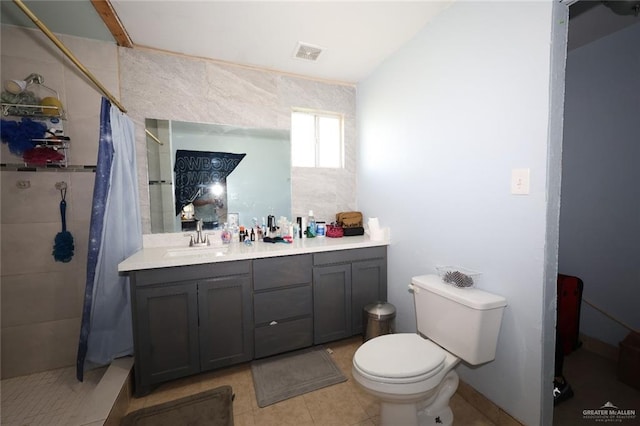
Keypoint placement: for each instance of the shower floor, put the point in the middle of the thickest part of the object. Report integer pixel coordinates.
(56, 397)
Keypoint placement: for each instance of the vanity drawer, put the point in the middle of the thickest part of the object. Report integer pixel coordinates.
(273, 272)
(281, 304)
(191, 272)
(348, 256)
(283, 337)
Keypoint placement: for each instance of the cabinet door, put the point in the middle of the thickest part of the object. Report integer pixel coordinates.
(368, 285)
(331, 303)
(166, 331)
(226, 321)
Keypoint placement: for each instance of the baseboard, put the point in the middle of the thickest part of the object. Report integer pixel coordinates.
(599, 347)
(496, 414)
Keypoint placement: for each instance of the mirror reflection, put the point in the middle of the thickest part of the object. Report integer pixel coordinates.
(212, 172)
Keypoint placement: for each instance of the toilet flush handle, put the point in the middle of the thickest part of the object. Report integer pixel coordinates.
(414, 288)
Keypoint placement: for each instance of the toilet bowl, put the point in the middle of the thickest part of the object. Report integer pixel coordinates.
(412, 374)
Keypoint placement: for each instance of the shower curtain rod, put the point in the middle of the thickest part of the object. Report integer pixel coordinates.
(68, 53)
(154, 137)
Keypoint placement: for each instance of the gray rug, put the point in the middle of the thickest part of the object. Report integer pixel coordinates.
(285, 376)
(213, 407)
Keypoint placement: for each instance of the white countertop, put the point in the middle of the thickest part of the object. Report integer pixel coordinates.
(154, 256)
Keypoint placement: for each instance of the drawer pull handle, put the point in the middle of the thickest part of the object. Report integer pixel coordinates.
(273, 323)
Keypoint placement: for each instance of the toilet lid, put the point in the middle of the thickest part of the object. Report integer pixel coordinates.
(397, 356)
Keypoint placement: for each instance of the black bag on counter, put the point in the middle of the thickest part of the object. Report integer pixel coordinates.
(351, 232)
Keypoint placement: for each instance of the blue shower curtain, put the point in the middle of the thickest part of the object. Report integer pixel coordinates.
(115, 233)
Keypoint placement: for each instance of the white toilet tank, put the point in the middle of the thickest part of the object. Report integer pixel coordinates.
(463, 321)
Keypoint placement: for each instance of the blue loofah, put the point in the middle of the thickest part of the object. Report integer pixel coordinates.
(63, 247)
(19, 134)
(63, 244)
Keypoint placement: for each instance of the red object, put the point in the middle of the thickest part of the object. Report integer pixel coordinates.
(41, 156)
(335, 231)
(568, 311)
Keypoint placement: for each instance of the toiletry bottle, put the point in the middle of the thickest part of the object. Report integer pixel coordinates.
(299, 223)
(226, 234)
(311, 225)
(235, 233)
(253, 235)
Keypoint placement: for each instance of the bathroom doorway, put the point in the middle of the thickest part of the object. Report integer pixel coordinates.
(598, 214)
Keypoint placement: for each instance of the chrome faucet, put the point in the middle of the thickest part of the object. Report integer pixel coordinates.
(200, 240)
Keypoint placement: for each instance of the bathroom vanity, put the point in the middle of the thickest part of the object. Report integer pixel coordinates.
(198, 309)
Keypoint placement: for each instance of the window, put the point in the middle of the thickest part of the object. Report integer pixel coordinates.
(316, 139)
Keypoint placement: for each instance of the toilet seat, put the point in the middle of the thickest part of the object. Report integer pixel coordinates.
(399, 358)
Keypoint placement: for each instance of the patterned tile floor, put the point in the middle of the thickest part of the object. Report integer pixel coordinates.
(341, 404)
(56, 397)
(49, 398)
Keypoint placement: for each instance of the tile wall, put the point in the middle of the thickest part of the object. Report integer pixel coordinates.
(175, 87)
(41, 299)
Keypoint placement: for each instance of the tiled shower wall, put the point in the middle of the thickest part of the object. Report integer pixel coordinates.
(42, 298)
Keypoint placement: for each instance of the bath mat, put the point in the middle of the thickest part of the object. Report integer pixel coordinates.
(285, 376)
(213, 407)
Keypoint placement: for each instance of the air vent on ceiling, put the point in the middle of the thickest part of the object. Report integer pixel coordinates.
(308, 52)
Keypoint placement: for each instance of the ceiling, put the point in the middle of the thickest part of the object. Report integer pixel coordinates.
(355, 36)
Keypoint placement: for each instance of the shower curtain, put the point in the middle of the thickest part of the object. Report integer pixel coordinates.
(115, 233)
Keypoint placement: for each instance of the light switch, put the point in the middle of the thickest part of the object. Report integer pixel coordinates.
(520, 181)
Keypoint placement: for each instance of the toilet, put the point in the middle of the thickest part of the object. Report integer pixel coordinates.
(412, 374)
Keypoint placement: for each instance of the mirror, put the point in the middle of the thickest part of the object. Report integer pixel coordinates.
(258, 184)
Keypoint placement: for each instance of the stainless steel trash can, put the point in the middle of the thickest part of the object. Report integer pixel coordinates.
(378, 318)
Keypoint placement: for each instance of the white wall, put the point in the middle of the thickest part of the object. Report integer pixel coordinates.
(441, 125)
(599, 221)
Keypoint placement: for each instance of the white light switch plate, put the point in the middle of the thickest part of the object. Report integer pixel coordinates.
(520, 181)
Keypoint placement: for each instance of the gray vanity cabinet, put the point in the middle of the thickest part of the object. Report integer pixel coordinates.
(166, 334)
(343, 283)
(331, 303)
(224, 306)
(368, 284)
(282, 303)
(190, 319)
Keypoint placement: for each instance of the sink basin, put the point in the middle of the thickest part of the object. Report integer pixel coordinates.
(196, 251)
